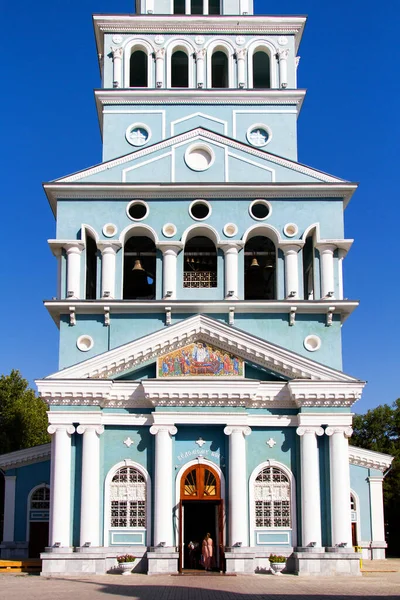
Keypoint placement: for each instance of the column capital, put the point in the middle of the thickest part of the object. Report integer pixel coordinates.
(291, 247)
(99, 429)
(117, 52)
(200, 54)
(325, 247)
(160, 53)
(231, 246)
(243, 429)
(74, 247)
(108, 247)
(282, 53)
(69, 429)
(170, 247)
(241, 53)
(316, 430)
(171, 429)
(344, 430)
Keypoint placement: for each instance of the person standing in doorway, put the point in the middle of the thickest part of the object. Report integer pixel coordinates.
(207, 548)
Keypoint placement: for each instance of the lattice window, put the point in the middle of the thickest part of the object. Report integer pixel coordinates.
(199, 279)
(128, 498)
(272, 498)
(40, 499)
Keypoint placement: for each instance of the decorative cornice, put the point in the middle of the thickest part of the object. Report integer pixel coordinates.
(325, 393)
(21, 458)
(369, 458)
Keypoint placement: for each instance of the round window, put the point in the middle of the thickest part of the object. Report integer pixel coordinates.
(290, 229)
(199, 210)
(84, 343)
(137, 210)
(199, 157)
(260, 209)
(109, 229)
(259, 135)
(137, 134)
(312, 343)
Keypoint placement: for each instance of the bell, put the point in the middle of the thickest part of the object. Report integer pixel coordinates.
(137, 266)
(254, 263)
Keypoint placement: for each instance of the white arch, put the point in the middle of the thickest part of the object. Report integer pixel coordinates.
(309, 230)
(107, 505)
(200, 460)
(265, 230)
(28, 507)
(130, 46)
(201, 230)
(184, 46)
(292, 483)
(358, 520)
(223, 46)
(139, 229)
(84, 228)
(268, 48)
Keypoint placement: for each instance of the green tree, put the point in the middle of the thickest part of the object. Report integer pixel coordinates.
(379, 430)
(23, 419)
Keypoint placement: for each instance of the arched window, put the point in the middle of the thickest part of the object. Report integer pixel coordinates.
(179, 7)
(214, 7)
(200, 482)
(38, 516)
(200, 263)
(179, 69)
(138, 69)
(139, 269)
(128, 498)
(259, 269)
(272, 498)
(91, 267)
(219, 70)
(196, 7)
(308, 268)
(40, 499)
(261, 70)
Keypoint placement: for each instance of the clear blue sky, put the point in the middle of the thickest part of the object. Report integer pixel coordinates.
(349, 127)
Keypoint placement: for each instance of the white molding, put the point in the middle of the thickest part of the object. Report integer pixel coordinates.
(200, 201)
(326, 393)
(142, 164)
(21, 458)
(175, 45)
(128, 111)
(130, 46)
(142, 229)
(106, 507)
(142, 126)
(252, 162)
(201, 228)
(369, 458)
(266, 46)
(219, 45)
(198, 114)
(358, 516)
(260, 126)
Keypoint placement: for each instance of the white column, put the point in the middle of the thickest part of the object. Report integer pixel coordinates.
(231, 251)
(341, 255)
(117, 64)
(237, 501)
(377, 519)
(9, 508)
(200, 57)
(310, 485)
(60, 485)
(160, 53)
(163, 531)
(108, 256)
(170, 252)
(283, 56)
(241, 65)
(90, 490)
(340, 484)
(327, 274)
(74, 251)
(291, 270)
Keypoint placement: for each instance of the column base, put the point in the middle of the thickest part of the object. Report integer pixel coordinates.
(162, 560)
(89, 561)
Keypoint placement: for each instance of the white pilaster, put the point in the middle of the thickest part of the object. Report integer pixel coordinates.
(231, 250)
(327, 274)
(60, 485)
(341, 254)
(74, 251)
(160, 55)
(163, 531)
(170, 252)
(90, 490)
(117, 54)
(108, 256)
(9, 508)
(241, 66)
(283, 56)
(310, 485)
(340, 484)
(291, 252)
(238, 515)
(200, 57)
(376, 500)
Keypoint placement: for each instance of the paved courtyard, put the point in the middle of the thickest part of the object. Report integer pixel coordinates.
(381, 580)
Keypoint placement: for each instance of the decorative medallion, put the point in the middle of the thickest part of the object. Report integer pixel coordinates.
(282, 40)
(199, 360)
(200, 442)
(271, 442)
(259, 135)
(240, 40)
(230, 229)
(117, 39)
(109, 229)
(290, 229)
(199, 39)
(128, 442)
(169, 230)
(137, 134)
(159, 39)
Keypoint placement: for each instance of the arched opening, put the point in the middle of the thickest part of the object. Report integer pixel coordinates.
(308, 268)
(139, 269)
(196, 7)
(138, 69)
(219, 70)
(200, 263)
(353, 509)
(39, 508)
(259, 269)
(179, 7)
(272, 498)
(214, 7)
(200, 482)
(91, 267)
(261, 70)
(179, 69)
(128, 499)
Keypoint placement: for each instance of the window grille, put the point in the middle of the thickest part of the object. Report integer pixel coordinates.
(128, 498)
(199, 279)
(40, 499)
(272, 498)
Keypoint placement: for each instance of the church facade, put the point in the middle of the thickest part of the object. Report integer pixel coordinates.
(200, 303)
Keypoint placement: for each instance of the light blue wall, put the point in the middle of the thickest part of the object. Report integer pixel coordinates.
(27, 478)
(359, 484)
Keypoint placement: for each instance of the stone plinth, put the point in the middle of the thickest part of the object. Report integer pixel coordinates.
(162, 560)
(240, 560)
(335, 561)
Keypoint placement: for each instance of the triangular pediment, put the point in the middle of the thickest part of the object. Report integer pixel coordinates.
(216, 335)
(231, 162)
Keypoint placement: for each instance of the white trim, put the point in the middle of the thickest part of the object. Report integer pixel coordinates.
(28, 509)
(175, 45)
(199, 114)
(142, 164)
(141, 203)
(261, 45)
(128, 111)
(358, 516)
(141, 126)
(144, 230)
(204, 230)
(369, 458)
(219, 45)
(293, 508)
(194, 203)
(20, 458)
(265, 203)
(252, 162)
(132, 45)
(106, 508)
(263, 229)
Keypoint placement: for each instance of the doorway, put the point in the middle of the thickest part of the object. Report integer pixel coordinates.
(38, 538)
(199, 518)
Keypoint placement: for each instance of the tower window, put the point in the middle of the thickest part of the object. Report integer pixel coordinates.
(261, 70)
(179, 69)
(138, 69)
(91, 268)
(179, 7)
(219, 70)
(308, 268)
(196, 7)
(139, 269)
(200, 263)
(259, 269)
(214, 7)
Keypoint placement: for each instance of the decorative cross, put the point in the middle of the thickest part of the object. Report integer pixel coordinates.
(200, 442)
(138, 137)
(271, 443)
(258, 138)
(128, 442)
